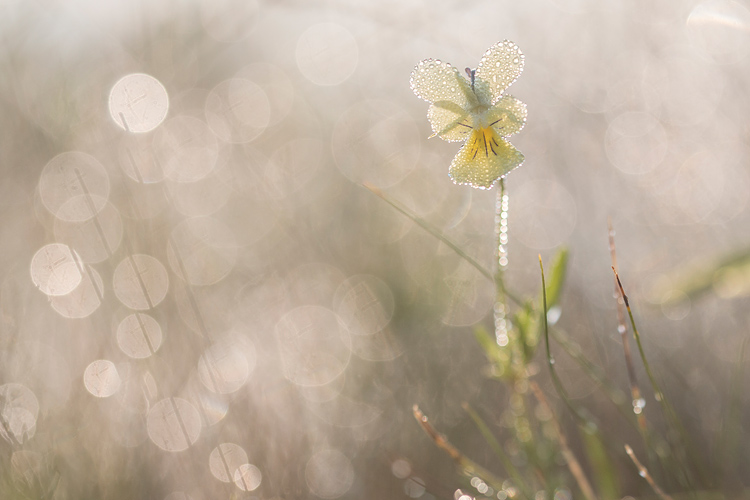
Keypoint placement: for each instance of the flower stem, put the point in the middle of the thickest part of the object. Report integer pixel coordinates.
(501, 232)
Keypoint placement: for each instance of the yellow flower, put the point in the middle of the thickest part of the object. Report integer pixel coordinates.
(475, 111)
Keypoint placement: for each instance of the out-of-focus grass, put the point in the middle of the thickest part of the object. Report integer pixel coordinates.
(637, 110)
(681, 463)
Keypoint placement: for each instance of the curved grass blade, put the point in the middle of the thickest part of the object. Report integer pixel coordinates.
(492, 441)
(440, 236)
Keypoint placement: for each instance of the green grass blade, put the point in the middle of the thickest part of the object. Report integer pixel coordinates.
(492, 441)
(685, 441)
(556, 277)
(604, 473)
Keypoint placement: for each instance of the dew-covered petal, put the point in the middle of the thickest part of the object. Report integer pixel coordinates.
(484, 159)
(437, 81)
(450, 122)
(499, 67)
(507, 116)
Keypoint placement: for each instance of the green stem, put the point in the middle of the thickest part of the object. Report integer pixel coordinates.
(583, 419)
(507, 463)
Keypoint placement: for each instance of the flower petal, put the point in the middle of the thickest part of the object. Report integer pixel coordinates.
(434, 81)
(499, 67)
(507, 116)
(484, 159)
(450, 122)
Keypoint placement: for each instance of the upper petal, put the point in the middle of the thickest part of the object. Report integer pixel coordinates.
(500, 66)
(434, 80)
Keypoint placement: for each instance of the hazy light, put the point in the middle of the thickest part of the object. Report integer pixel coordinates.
(228, 28)
(720, 29)
(276, 85)
(314, 284)
(203, 197)
(329, 474)
(202, 251)
(140, 282)
(19, 409)
(377, 142)
(178, 495)
(139, 335)
(636, 143)
(224, 368)
(237, 110)
(173, 424)
(543, 214)
(365, 304)
(84, 299)
(224, 461)
(314, 345)
(401, 468)
(74, 186)
(137, 159)
(138, 103)
(95, 239)
(54, 270)
(101, 378)
(468, 296)
(327, 54)
(247, 477)
(185, 148)
(414, 487)
(292, 167)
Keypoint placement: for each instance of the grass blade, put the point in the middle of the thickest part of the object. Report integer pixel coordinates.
(492, 441)
(496, 278)
(467, 465)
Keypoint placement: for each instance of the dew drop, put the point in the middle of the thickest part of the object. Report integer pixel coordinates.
(638, 405)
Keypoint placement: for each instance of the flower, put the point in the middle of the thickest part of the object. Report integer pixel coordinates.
(475, 111)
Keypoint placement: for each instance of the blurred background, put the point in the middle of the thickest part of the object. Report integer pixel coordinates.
(199, 299)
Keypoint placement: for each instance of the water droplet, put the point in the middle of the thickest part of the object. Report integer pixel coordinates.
(621, 329)
(553, 315)
(552, 361)
(638, 405)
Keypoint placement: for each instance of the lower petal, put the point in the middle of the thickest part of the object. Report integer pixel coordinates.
(485, 158)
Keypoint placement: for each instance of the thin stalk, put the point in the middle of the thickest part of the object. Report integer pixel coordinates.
(643, 472)
(510, 468)
(622, 328)
(468, 465)
(440, 236)
(583, 419)
(501, 232)
(659, 395)
(570, 459)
